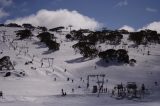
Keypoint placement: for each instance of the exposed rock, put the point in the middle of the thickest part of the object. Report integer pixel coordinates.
(7, 74)
(5, 63)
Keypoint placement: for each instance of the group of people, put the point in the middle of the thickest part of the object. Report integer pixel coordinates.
(121, 89)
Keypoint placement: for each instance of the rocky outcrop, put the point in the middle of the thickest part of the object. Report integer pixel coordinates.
(6, 64)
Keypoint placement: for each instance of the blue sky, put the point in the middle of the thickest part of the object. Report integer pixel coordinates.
(111, 13)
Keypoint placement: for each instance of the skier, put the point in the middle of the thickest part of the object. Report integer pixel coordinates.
(156, 83)
(68, 79)
(1, 94)
(81, 78)
(63, 94)
(41, 64)
(73, 90)
(143, 89)
(113, 93)
(65, 70)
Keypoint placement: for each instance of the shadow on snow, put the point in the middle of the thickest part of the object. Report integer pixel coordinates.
(78, 60)
(103, 63)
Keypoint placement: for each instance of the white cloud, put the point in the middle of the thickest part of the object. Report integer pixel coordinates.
(62, 17)
(128, 28)
(3, 13)
(5, 3)
(151, 9)
(122, 3)
(152, 26)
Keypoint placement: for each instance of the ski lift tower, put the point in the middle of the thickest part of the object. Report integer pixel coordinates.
(100, 81)
(49, 60)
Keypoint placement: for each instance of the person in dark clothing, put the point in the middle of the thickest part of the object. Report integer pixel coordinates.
(41, 64)
(113, 92)
(73, 90)
(1, 94)
(143, 89)
(62, 92)
(65, 70)
(68, 79)
(156, 83)
(81, 78)
(65, 93)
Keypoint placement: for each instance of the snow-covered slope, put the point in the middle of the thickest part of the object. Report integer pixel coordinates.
(42, 85)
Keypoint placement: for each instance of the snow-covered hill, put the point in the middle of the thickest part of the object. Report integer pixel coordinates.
(42, 85)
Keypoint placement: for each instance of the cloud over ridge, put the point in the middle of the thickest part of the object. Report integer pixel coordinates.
(128, 28)
(153, 26)
(61, 17)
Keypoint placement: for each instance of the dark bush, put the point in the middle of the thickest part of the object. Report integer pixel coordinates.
(24, 34)
(77, 35)
(123, 31)
(52, 45)
(120, 55)
(132, 61)
(28, 26)
(87, 49)
(1, 25)
(45, 36)
(56, 29)
(43, 29)
(13, 25)
(69, 36)
(144, 37)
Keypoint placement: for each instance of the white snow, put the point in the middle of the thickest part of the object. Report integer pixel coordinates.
(39, 88)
